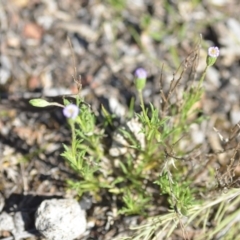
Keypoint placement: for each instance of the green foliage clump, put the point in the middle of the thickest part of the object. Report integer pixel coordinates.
(151, 167)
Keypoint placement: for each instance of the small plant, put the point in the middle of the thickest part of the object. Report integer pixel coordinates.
(146, 151)
(181, 194)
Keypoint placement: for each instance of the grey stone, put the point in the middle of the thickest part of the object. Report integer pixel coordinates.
(6, 222)
(60, 219)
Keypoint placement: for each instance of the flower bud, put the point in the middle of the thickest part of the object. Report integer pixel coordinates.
(141, 77)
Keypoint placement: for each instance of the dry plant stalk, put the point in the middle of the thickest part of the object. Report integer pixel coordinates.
(190, 63)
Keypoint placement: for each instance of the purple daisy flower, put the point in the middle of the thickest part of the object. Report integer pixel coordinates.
(71, 111)
(141, 73)
(213, 52)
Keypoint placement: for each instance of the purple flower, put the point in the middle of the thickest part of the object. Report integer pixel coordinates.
(213, 52)
(141, 73)
(71, 111)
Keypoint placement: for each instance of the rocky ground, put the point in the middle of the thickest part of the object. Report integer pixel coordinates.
(45, 45)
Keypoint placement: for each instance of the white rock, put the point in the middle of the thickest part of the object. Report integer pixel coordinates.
(116, 107)
(213, 79)
(60, 219)
(5, 70)
(235, 115)
(6, 222)
(118, 147)
(4, 75)
(197, 134)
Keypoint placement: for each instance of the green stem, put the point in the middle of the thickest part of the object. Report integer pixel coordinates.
(202, 77)
(72, 125)
(143, 107)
